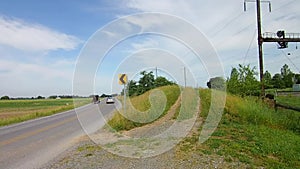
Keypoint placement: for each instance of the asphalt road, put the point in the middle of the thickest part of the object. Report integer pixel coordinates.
(33, 143)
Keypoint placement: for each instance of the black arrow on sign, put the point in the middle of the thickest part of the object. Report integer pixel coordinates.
(122, 78)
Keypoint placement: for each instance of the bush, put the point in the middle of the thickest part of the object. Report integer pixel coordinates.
(4, 98)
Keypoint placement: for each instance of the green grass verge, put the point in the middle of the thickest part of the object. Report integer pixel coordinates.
(289, 100)
(15, 111)
(252, 133)
(142, 104)
(249, 132)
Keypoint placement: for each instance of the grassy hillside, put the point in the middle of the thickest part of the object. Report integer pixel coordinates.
(252, 133)
(142, 112)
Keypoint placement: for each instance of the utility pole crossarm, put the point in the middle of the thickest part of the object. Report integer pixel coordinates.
(280, 37)
(288, 37)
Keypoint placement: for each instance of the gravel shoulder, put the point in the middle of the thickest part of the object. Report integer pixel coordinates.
(89, 155)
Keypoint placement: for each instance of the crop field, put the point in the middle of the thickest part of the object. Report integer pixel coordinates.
(14, 111)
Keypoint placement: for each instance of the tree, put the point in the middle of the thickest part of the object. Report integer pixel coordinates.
(268, 80)
(132, 88)
(297, 79)
(162, 81)
(249, 83)
(53, 97)
(4, 98)
(146, 82)
(217, 83)
(40, 97)
(104, 95)
(287, 76)
(242, 81)
(277, 81)
(233, 84)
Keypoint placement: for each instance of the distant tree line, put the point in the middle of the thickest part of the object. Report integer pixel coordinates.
(40, 97)
(285, 79)
(145, 83)
(65, 96)
(21, 98)
(243, 81)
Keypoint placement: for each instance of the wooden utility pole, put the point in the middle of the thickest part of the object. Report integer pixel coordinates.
(260, 43)
(260, 49)
(280, 37)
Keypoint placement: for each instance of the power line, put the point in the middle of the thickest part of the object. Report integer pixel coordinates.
(227, 24)
(290, 60)
(286, 4)
(281, 38)
(251, 42)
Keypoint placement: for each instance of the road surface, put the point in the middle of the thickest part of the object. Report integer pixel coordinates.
(34, 143)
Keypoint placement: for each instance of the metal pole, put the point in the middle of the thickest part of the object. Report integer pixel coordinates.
(124, 98)
(260, 49)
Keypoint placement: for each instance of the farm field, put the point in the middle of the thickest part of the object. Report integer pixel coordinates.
(14, 111)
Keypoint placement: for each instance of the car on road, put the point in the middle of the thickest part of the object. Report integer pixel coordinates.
(110, 100)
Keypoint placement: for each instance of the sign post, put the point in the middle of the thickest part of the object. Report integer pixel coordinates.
(123, 81)
(124, 98)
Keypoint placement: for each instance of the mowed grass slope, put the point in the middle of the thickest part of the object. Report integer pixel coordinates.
(250, 132)
(141, 112)
(14, 111)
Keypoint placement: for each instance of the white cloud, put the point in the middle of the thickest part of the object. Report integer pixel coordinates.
(28, 79)
(18, 69)
(226, 25)
(148, 43)
(210, 16)
(33, 37)
(156, 35)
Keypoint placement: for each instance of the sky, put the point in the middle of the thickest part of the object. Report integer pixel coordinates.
(65, 47)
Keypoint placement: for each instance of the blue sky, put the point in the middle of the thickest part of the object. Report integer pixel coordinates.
(42, 41)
